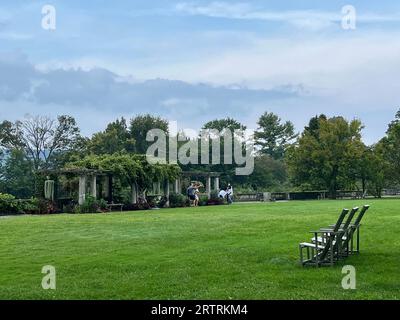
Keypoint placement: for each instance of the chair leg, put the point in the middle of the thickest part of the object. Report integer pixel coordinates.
(301, 255)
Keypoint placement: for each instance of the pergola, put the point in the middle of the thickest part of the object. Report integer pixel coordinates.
(90, 179)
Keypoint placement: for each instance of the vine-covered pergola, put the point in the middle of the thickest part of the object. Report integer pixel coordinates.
(98, 183)
(91, 182)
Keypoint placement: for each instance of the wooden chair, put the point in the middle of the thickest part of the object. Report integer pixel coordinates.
(328, 249)
(344, 227)
(354, 229)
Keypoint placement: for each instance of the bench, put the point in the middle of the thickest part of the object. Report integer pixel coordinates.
(110, 206)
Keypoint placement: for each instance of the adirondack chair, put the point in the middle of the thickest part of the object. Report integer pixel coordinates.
(326, 251)
(354, 229)
(344, 227)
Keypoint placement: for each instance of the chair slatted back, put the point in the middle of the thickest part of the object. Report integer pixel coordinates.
(332, 237)
(361, 215)
(356, 224)
(340, 220)
(349, 218)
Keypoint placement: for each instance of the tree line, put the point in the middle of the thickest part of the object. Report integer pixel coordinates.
(328, 154)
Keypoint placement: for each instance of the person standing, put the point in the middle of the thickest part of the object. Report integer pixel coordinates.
(196, 195)
(229, 194)
(191, 193)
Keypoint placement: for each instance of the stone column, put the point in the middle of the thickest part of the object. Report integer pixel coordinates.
(93, 186)
(134, 193)
(82, 189)
(216, 183)
(176, 186)
(166, 192)
(208, 187)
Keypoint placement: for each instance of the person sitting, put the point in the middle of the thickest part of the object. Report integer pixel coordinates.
(222, 194)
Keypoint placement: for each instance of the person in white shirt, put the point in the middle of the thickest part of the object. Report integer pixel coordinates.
(222, 194)
(229, 194)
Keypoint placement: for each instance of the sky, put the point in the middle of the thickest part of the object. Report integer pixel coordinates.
(195, 61)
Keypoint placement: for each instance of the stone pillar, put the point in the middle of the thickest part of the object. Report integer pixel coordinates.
(93, 186)
(166, 192)
(82, 189)
(216, 183)
(208, 187)
(176, 186)
(134, 193)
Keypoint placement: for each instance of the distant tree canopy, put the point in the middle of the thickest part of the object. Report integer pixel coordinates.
(389, 149)
(40, 138)
(325, 156)
(140, 126)
(223, 124)
(16, 174)
(272, 136)
(116, 138)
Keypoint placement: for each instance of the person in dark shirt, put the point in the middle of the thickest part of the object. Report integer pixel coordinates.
(191, 193)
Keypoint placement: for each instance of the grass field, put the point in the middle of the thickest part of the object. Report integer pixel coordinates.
(244, 251)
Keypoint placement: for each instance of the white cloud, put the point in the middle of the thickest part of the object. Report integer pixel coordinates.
(305, 19)
(15, 36)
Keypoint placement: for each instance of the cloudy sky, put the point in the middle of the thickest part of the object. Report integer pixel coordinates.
(193, 61)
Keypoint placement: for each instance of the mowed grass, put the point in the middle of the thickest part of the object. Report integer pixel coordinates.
(243, 251)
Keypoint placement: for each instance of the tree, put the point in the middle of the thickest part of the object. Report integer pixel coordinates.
(227, 170)
(313, 125)
(268, 174)
(272, 136)
(116, 138)
(141, 125)
(377, 169)
(390, 148)
(40, 137)
(223, 124)
(16, 176)
(325, 159)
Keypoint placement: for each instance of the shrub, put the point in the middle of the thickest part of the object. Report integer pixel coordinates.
(91, 205)
(136, 206)
(30, 206)
(8, 203)
(162, 202)
(215, 202)
(203, 201)
(214, 199)
(177, 200)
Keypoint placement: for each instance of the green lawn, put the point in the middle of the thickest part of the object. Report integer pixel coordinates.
(244, 251)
